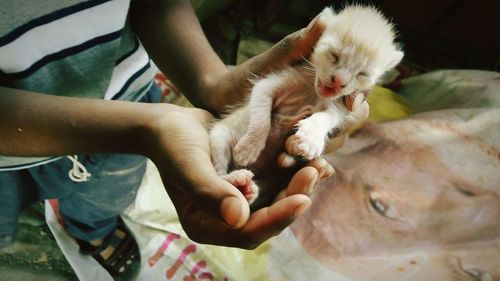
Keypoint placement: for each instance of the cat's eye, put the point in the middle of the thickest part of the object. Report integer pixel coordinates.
(465, 192)
(363, 74)
(335, 57)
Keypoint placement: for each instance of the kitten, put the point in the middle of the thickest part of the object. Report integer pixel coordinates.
(356, 48)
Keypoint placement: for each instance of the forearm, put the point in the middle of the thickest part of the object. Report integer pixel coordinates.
(172, 35)
(42, 125)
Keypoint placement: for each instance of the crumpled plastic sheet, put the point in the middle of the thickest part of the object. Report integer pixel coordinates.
(440, 222)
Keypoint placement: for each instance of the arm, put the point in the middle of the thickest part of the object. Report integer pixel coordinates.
(42, 125)
(171, 33)
(210, 209)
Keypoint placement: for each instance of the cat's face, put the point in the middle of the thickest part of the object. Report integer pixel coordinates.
(346, 60)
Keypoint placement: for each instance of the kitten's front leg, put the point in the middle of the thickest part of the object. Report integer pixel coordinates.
(312, 133)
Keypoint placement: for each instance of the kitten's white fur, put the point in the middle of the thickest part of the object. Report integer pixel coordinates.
(355, 49)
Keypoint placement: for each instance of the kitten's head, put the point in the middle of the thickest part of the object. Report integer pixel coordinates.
(356, 48)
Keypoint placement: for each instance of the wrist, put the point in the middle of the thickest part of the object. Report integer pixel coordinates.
(211, 89)
(228, 88)
(158, 125)
(147, 131)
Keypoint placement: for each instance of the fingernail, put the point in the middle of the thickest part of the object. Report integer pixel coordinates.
(330, 172)
(312, 185)
(310, 189)
(285, 160)
(302, 208)
(232, 211)
(359, 98)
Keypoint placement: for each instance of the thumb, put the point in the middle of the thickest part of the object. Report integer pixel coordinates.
(289, 50)
(213, 197)
(211, 192)
(189, 176)
(231, 205)
(234, 210)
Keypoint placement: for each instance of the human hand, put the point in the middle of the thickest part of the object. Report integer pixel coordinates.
(232, 86)
(359, 110)
(210, 209)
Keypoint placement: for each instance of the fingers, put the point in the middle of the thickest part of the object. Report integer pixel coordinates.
(262, 225)
(211, 192)
(337, 142)
(362, 111)
(353, 100)
(184, 162)
(289, 50)
(232, 87)
(234, 210)
(213, 195)
(270, 221)
(285, 160)
(324, 168)
(303, 181)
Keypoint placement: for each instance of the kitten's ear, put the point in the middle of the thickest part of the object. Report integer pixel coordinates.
(395, 59)
(326, 15)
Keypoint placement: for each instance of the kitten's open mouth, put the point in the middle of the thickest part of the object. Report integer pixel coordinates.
(327, 91)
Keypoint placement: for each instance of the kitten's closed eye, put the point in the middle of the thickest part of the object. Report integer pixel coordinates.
(363, 74)
(335, 57)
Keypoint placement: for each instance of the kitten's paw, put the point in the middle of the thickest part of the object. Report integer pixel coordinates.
(305, 143)
(246, 151)
(242, 179)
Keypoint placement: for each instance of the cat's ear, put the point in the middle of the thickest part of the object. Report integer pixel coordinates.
(395, 59)
(326, 15)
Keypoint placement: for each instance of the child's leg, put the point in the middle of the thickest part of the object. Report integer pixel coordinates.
(18, 191)
(90, 208)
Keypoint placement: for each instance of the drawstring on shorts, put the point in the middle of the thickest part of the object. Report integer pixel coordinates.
(78, 173)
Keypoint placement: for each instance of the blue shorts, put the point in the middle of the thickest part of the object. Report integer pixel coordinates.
(90, 208)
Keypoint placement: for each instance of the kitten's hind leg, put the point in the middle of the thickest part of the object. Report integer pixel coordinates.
(221, 141)
(249, 147)
(242, 179)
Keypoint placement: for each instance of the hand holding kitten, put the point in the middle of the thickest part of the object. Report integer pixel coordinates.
(252, 145)
(210, 209)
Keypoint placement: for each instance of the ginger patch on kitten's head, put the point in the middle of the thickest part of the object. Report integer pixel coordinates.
(356, 48)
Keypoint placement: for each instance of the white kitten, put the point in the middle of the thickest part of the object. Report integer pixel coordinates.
(356, 48)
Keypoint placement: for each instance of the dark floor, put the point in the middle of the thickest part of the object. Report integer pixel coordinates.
(35, 255)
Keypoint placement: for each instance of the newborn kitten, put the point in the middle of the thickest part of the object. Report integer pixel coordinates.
(356, 48)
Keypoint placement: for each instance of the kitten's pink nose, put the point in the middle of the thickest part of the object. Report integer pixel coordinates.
(337, 82)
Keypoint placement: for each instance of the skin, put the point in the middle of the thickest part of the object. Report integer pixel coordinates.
(422, 198)
(210, 209)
